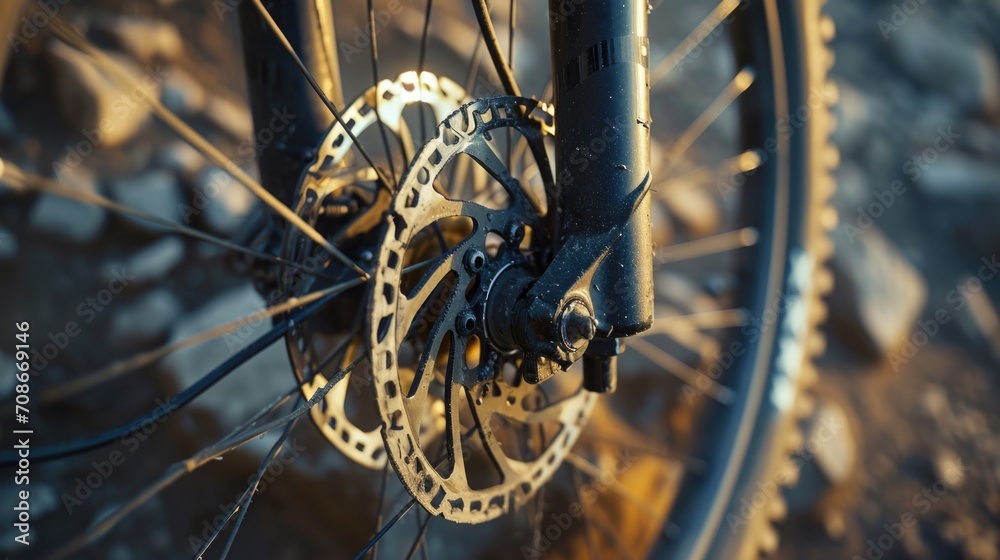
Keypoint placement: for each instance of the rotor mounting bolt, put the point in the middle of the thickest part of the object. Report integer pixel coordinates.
(576, 325)
(515, 234)
(475, 260)
(466, 322)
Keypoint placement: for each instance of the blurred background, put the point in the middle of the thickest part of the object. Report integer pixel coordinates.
(913, 336)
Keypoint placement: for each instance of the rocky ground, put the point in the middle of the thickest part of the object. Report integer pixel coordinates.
(913, 334)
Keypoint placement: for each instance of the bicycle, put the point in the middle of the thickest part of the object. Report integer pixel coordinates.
(478, 292)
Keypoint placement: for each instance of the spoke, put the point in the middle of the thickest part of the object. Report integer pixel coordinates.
(72, 37)
(738, 239)
(591, 543)
(722, 11)
(682, 371)
(378, 115)
(646, 446)
(243, 505)
(173, 474)
(81, 445)
(381, 506)
(237, 438)
(746, 162)
(248, 435)
(424, 37)
(132, 364)
(737, 86)
(473, 71)
(319, 90)
(512, 19)
(222, 524)
(378, 536)
(493, 46)
(421, 537)
(720, 319)
(483, 153)
(594, 472)
(21, 181)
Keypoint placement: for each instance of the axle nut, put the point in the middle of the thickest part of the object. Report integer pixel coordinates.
(576, 325)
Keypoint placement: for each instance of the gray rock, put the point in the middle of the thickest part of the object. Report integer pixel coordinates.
(828, 457)
(853, 189)
(181, 158)
(956, 176)
(146, 319)
(235, 398)
(103, 112)
(7, 376)
(8, 245)
(877, 294)
(44, 499)
(854, 116)
(154, 192)
(949, 467)
(226, 201)
(831, 440)
(148, 40)
(182, 93)
(153, 262)
(70, 220)
(231, 117)
(936, 59)
(7, 125)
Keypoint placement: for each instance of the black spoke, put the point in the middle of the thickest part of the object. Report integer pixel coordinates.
(420, 65)
(510, 62)
(173, 474)
(378, 536)
(375, 73)
(245, 507)
(86, 444)
(243, 503)
(493, 46)
(420, 541)
(381, 506)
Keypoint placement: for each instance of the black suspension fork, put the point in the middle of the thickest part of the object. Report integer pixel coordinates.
(598, 288)
(276, 84)
(600, 69)
(289, 117)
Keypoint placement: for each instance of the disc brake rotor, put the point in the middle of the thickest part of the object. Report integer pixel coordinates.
(342, 201)
(504, 438)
